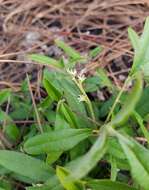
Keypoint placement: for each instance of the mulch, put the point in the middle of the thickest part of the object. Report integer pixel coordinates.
(31, 26)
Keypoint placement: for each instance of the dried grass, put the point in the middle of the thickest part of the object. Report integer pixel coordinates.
(82, 24)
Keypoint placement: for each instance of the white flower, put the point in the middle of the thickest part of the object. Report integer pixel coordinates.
(81, 78)
(82, 98)
(72, 72)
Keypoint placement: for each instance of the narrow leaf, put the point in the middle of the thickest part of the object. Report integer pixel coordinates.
(134, 38)
(45, 60)
(142, 127)
(52, 157)
(62, 174)
(25, 165)
(68, 115)
(143, 105)
(138, 157)
(85, 163)
(68, 50)
(108, 185)
(104, 80)
(114, 168)
(141, 58)
(130, 102)
(4, 95)
(96, 51)
(59, 140)
(53, 93)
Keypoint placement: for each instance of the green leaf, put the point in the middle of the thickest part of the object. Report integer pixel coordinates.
(122, 164)
(78, 151)
(44, 187)
(130, 102)
(134, 38)
(143, 105)
(45, 103)
(5, 117)
(54, 184)
(41, 187)
(4, 95)
(115, 149)
(21, 178)
(62, 174)
(68, 50)
(53, 156)
(92, 84)
(145, 71)
(54, 77)
(21, 110)
(45, 60)
(1, 188)
(53, 93)
(96, 51)
(51, 184)
(68, 114)
(141, 57)
(10, 130)
(60, 122)
(142, 127)
(25, 165)
(71, 94)
(5, 184)
(3, 171)
(106, 106)
(65, 85)
(138, 157)
(84, 164)
(104, 80)
(114, 169)
(108, 185)
(59, 140)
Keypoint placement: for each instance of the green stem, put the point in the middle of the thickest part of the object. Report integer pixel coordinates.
(117, 98)
(88, 102)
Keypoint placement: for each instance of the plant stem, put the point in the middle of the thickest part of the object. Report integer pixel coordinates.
(88, 102)
(117, 98)
(34, 105)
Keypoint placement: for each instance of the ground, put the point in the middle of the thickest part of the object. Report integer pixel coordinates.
(31, 26)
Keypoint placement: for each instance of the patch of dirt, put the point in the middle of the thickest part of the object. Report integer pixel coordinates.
(31, 26)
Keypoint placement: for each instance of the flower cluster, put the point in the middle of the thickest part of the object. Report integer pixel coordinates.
(73, 73)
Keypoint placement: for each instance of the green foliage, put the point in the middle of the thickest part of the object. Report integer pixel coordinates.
(141, 45)
(68, 50)
(130, 103)
(85, 143)
(58, 140)
(105, 81)
(142, 127)
(4, 95)
(85, 163)
(42, 59)
(95, 52)
(62, 174)
(25, 165)
(108, 185)
(137, 157)
(143, 104)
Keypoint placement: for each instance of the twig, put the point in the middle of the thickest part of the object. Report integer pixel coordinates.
(34, 104)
